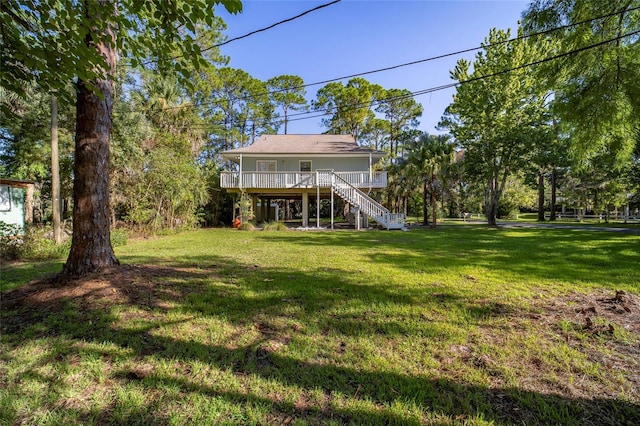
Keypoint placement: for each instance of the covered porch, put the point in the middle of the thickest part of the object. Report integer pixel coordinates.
(239, 180)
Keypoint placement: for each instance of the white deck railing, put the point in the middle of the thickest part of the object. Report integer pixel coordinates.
(292, 180)
(367, 204)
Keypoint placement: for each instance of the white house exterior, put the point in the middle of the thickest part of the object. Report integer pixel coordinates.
(303, 166)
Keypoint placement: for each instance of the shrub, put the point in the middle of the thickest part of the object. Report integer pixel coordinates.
(119, 237)
(39, 244)
(247, 226)
(11, 241)
(274, 226)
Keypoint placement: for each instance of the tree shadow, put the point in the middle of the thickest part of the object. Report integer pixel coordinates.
(217, 287)
(545, 254)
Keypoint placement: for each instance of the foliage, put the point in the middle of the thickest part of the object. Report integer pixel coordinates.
(10, 240)
(25, 148)
(245, 208)
(288, 93)
(33, 243)
(349, 106)
(516, 196)
(247, 226)
(240, 106)
(119, 237)
(497, 120)
(428, 161)
(401, 111)
(598, 105)
(375, 134)
(274, 226)
(44, 41)
(56, 42)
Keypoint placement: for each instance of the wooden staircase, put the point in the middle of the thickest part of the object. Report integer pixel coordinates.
(361, 201)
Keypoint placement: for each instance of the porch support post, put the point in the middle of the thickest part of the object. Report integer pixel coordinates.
(318, 209)
(305, 209)
(254, 200)
(268, 207)
(370, 171)
(263, 213)
(240, 174)
(332, 205)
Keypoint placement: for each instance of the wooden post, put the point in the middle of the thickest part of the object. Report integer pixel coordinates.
(305, 209)
(28, 203)
(333, 183)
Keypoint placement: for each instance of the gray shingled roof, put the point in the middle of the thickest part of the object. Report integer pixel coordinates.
(304, 144)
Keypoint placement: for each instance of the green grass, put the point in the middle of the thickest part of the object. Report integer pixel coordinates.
(461, 325)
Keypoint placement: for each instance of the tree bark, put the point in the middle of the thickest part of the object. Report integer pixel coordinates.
(552, 206)
(540, 196)
(491, 203)
(425, 212)
(55, 173)
(434, 208)
(91, 248)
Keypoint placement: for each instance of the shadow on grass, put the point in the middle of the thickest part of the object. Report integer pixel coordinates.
(218, 289)
(603, 259)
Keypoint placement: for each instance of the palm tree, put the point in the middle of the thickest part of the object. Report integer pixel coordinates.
(428, 159)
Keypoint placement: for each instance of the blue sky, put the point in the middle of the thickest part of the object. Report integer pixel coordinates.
(355, 36)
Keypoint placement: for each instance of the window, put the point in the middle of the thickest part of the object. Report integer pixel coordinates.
(5, 198)
(305, 165)
(266, 166)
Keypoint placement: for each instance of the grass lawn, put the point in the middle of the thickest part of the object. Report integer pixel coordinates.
(461, 325)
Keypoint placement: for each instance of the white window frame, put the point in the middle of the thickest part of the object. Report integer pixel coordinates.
(305, 161)
(266, 163)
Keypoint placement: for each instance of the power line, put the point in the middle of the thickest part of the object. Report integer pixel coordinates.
(272, 26)
(406, 64)
(459, 83)
(459, 52)
(284, 21)
(482, 77)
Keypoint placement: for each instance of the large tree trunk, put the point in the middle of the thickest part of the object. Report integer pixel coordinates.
(540, 196)
(90, 245)
(491, 203)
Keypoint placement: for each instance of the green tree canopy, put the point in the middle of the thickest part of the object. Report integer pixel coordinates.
(59, 41)
(287, 92)
(496, 119)
(597, 91)
(349, 106)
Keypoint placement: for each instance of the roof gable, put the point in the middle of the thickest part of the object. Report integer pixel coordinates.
(305, 144)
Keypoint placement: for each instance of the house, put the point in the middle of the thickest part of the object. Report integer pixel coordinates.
(277, 167)
(16, 202)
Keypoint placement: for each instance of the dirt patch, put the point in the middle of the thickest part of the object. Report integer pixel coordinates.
(598, 312)
(147, 286)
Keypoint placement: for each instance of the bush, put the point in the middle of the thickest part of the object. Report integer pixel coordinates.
(119, 237)
(247, 226)
(39, 244)
(11, 241)
(274, 226)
